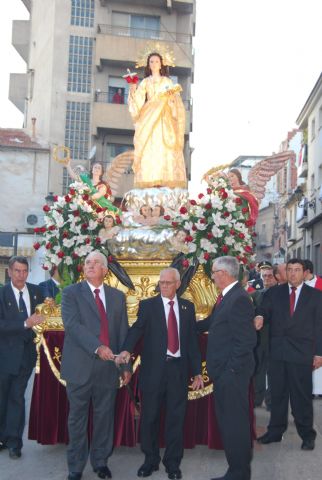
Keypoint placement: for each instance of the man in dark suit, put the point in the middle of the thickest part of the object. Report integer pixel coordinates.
(230, 364)
(95, 321)
(18, 301)
(50, 287)
(294, 313)
(168, 327)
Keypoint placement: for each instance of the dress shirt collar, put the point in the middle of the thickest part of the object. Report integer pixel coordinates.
(55, 281)
(101, 287)
(298, 289)
(16, 290)
(312, 282)
(167, 300)
(229, 287)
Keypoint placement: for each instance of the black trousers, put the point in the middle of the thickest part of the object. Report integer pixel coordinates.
(172, 393)
(12, 406)
(232, 411)
(291, 382)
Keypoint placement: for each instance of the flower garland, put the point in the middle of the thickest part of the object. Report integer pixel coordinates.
(71, 229)
(216, 224)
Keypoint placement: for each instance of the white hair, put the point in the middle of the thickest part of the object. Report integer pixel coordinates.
(173, 270)
(100, 255)
(228, 264)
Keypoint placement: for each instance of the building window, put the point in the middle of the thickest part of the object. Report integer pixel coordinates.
(80, 64)
(77, 129)
(313, 129)
(320, 118)
(140, 26)
(82, 13)
(114, 149)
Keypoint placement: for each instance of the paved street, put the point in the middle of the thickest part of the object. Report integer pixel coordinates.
(279, 461)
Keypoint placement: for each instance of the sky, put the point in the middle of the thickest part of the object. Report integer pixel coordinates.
(256, 62)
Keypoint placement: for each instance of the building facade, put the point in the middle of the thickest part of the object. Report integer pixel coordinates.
(76, 54)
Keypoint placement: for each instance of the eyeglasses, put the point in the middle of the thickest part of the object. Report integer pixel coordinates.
(164, 283)
(216, 271)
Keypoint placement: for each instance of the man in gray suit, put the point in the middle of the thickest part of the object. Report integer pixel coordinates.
(95, 321)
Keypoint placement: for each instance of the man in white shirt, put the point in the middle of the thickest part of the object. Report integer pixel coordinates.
(168, 327)
(18, 301)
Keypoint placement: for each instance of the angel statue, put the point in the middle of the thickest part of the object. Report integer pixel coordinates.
(258, 177)
(100, 190)
(159, 117)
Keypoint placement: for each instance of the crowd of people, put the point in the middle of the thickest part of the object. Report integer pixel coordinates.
(269, 335)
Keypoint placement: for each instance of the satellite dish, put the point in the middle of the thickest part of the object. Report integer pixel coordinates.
(92, 153)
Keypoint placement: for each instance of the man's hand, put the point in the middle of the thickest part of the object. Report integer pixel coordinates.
(105, 353)
(197, 383)
(34, 319)
(126, 377)
(258, 322)
(317, 362)
(123, 357)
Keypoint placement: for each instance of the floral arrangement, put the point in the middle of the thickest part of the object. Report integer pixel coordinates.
(71, 231)
(216, 224)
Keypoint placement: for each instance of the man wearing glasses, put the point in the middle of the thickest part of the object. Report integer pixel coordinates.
(168, 326)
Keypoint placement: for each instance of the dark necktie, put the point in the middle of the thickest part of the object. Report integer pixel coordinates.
(104, 337)
(292, 300)
(22, 307)
(173, 338)
(219, 299)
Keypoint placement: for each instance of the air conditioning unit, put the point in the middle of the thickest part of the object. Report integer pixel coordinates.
(34, 218)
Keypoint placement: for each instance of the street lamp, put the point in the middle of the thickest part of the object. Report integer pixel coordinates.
(299, 195)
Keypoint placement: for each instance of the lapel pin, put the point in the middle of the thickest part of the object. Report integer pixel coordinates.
(183, 307)
(9, 304)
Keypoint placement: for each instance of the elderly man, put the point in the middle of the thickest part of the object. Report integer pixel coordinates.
(18, 300)
(230, 364)
(95, 321)
(279, 270)
(167, 325)
(294, 313)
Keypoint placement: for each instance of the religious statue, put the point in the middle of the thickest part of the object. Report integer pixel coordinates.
(159, 117)
(109, 230)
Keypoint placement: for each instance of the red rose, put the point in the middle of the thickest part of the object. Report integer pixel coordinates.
(193, 202)
(67, 199)
(241, 235)
(208, 206)
(84, 226)
(238, 201)
(74, 255)
(232, 232)
(44, 267)
(185, 263)
(249, 223)
(97, 240)
(209, 190)
(65, 234)
(203, 220)
(79, 268)
(254, 244)
(188, 238)
(223, 193)
(42, 229)
(72, 191)
(55, 198)
(46, 208)
(200, 195)
(167, 217)
(245, 210)
(174, 224)
(99, 210)
(76, 213)
(206, 256)
(60, 254)
(193, 228)
(85, 197)
(254, 234)
(87, 240)
(244, 260)
(248, 249)
(209, 235)
(183, 210)
(36, 230)
(226, 214)
(48, 246)
(224, 249)
(118, 220)
(52, 227)
(36, 246)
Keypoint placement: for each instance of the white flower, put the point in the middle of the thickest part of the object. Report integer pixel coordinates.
(216, 202)
(68, 260)
(218, 219)
(217, 232)
(92, 225)
(192, 247)
(68, 242)
(230, 206)
(201, 226)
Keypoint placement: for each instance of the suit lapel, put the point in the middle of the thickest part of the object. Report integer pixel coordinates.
(182, 317)
(302, 300)
(89, 298)
(11, 302)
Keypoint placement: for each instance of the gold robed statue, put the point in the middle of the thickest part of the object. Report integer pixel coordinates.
(159, 117)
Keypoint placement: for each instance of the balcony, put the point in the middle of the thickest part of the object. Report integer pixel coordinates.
(184, 6)
(303, 170)
(119, 46)
(18, 90)
(20, 37)
(115, 118)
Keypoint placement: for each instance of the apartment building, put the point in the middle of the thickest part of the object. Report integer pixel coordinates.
(76, 53)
